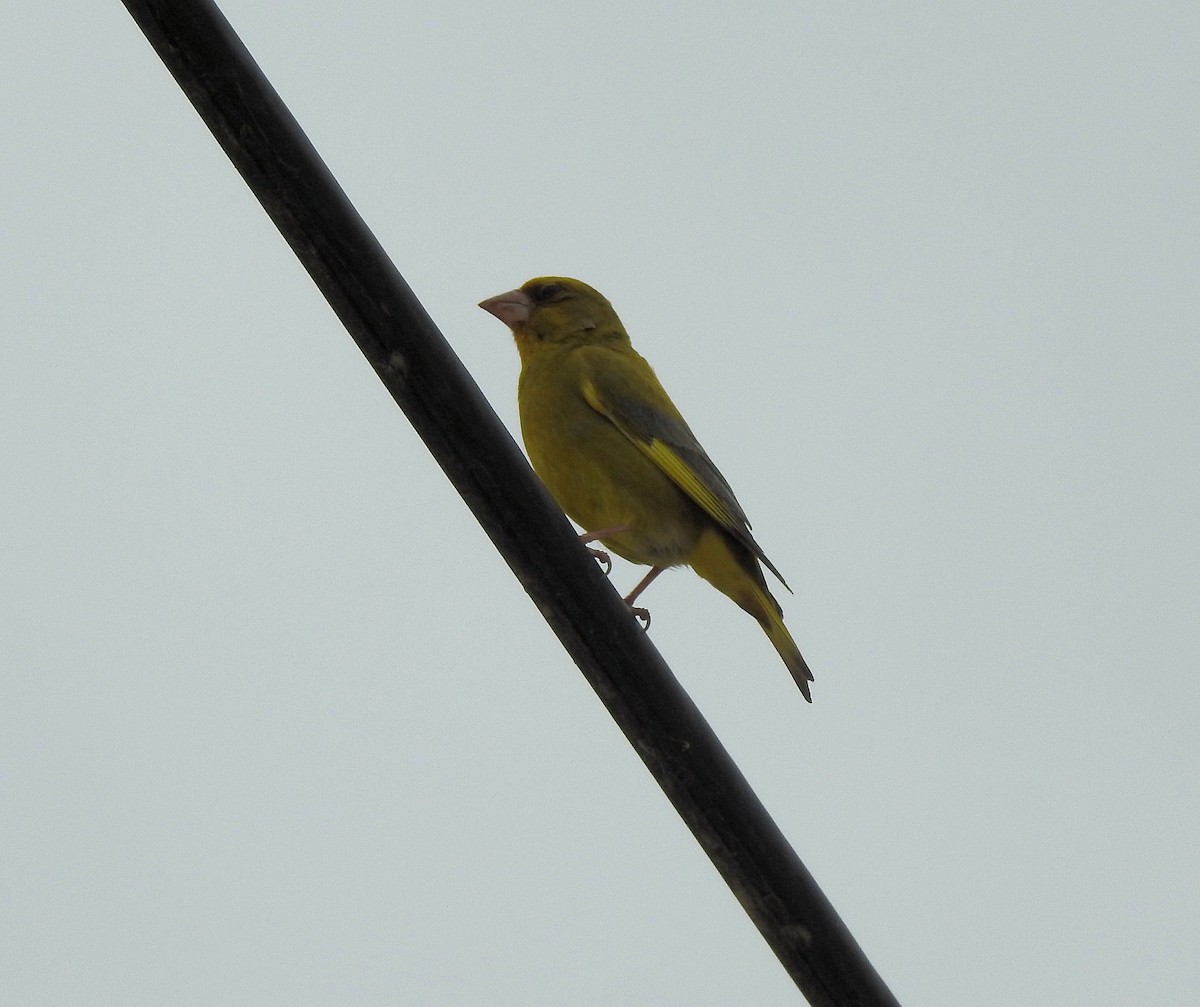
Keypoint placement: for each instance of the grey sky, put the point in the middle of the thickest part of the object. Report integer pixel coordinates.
(278, 726)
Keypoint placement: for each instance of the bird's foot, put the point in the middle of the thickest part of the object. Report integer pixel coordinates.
(601, 557)
(599, 554)
(642, 616)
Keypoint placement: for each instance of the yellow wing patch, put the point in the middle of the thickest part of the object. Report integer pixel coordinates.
(685, 477)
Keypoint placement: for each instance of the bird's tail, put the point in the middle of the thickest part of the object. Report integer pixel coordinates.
(781, 640)
(732, 569)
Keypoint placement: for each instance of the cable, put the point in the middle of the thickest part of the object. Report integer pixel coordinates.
(466, 438)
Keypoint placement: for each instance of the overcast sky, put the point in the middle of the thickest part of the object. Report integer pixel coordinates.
(277, 725)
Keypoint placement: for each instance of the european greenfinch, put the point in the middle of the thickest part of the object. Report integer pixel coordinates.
(616, 454)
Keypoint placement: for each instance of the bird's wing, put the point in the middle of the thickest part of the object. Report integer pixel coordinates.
(661, 434)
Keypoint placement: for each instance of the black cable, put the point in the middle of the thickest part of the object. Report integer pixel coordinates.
(430, 384)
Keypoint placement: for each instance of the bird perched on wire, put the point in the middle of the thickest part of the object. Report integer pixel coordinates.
(618, 457)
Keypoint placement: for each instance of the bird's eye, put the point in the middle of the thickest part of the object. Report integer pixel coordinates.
(547, 292)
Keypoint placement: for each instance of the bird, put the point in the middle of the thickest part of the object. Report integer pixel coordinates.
(619, 458)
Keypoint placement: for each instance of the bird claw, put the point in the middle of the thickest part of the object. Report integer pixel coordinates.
(641, 614)
(603, 558)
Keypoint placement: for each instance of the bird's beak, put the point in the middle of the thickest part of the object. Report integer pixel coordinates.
(512, 308)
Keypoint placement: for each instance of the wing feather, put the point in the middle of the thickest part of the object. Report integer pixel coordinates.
(661, 434)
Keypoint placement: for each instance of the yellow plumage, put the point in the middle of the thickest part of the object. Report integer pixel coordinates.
(619, 458)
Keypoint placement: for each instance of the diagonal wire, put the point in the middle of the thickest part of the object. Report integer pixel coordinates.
(427, 380)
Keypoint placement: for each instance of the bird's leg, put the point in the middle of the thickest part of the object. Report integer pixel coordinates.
(641, 614)
(645, 582)
(599, 554)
